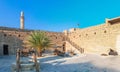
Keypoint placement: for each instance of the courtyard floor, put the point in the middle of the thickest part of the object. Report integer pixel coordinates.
(81, 63)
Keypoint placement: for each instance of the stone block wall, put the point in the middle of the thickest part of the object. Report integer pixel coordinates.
(70, 48)
(14, 38)
(97, 39)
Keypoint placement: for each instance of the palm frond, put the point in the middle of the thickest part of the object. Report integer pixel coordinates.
(38, 39)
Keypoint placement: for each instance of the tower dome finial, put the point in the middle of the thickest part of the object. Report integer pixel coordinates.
(22, 13)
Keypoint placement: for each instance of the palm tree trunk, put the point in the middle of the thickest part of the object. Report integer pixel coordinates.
(39, 52)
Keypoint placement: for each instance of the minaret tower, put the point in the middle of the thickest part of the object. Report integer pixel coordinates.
(22, 20)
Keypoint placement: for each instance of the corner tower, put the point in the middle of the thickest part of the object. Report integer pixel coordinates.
(22, 20)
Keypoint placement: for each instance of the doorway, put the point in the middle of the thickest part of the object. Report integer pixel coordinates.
(5, 50)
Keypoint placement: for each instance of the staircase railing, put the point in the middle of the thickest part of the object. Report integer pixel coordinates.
(74, 45)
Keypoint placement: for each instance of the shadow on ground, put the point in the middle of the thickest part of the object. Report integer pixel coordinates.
(5, 63)
(50, 58)
(61, 66)
(80, 67)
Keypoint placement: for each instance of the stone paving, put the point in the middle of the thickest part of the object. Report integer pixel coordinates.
(5, 63)
(81, 63)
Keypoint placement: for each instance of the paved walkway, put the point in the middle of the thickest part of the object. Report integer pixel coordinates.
(83, 63)
(5, 63)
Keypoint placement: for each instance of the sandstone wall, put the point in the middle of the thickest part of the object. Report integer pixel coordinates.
(14, 38)
(97, 39)
(70, 48)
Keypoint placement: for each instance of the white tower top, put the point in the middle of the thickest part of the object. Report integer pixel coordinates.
(22, 13)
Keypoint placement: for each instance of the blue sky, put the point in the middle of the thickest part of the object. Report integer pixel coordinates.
(57, 15)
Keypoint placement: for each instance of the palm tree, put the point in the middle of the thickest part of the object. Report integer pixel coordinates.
(39, 41)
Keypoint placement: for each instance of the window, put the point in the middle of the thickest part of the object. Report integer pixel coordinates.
(5, 35)
(105, 31)
(18, 35)
(95, 33)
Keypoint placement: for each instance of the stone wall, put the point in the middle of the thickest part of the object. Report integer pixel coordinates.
(97, 39)
(14, 39)
(70, 48)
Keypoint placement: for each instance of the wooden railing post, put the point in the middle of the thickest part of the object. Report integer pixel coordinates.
(35, 61)
(18, 61)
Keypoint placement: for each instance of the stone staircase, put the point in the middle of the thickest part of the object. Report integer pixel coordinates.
(81, 50)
